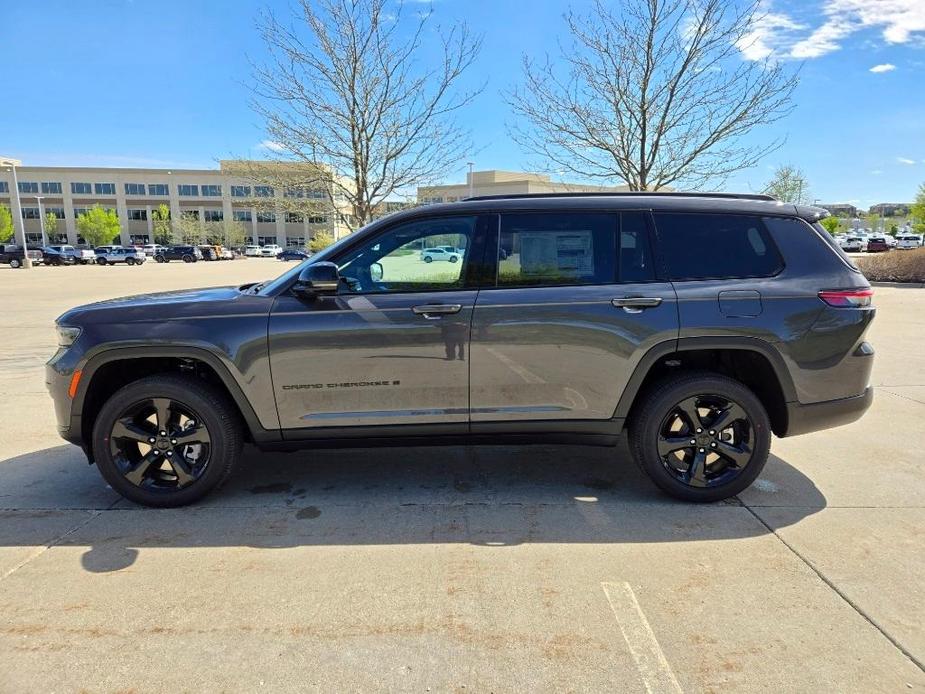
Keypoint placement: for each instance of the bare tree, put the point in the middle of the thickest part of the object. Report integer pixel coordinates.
(342, 93)
(789, 184)
(656, 95)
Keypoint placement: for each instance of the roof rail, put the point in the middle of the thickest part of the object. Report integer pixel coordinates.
(732, 196)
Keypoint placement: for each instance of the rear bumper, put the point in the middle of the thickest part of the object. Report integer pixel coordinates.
(803, 419)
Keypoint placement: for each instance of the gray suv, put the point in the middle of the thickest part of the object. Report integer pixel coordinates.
(695, 324)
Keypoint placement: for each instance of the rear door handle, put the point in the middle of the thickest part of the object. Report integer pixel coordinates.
(434, 311)
(636, 304)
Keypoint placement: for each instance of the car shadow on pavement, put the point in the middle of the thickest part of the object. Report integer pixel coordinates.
(487, 495)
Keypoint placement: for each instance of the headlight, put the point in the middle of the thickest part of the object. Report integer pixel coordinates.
(66, 335)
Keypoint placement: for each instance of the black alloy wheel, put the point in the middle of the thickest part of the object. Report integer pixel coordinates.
(705, 441)
(700, 436)
(166, 440)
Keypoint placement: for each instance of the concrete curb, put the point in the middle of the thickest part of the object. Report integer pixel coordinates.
(901, 285)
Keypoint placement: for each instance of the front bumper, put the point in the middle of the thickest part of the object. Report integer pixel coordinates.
(803, 419)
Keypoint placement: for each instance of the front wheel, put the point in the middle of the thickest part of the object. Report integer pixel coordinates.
(701, 436)
(101, 261)
(428, 259)
(15, 263)
(187, 259)
(166, 440)
(129, 261)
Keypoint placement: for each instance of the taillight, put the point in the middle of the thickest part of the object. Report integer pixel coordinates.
(847, 298)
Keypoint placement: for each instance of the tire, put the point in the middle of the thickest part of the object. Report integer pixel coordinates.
(454, 259)
(660, 421)
(159, 259)
(101, 261)
(15, 263)
(84, 262)
(187, 259)
(193, 396)
(129, 261)
(428, 259)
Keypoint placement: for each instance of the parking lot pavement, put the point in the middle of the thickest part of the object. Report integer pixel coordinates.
(463, 569)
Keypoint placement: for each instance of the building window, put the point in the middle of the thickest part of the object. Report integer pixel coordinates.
(81, 188)
(241, 215)
(28, 187)
(104, 188)
(266, 217)
(34, 238)
(294, 192)
(138, 215)
(318, 220)
(134, 188)
(51, 188)
(431, 200)
(317, 194)
(266, 240)
(80, 211)
(240, 191)
(58, 212)
(190, 214)
(263, 191)
(158, 189)
(295, 241)
(214, 215)
(188, 190)
(294, 218)
(212, 191)
(30, 213)
(4, 187)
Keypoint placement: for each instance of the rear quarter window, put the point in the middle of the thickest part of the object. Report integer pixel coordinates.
(716, 246)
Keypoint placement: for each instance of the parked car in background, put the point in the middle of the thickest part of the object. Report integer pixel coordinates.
(58, 255)
(429, 255)
(293, 254)
(129, 256)
(890, 240)
(270, 251)
(152, 249)
(907, 241)
(188, 254)
(208, 252)
(83, 256)
(12, 255)
(852, 244)
(252, 251)
(227, 254)
(877, 244)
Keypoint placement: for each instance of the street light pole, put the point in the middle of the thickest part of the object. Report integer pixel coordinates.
(17, 213)
(38, 199)
(471, 164)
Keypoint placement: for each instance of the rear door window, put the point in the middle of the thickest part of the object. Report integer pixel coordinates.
(716, 246)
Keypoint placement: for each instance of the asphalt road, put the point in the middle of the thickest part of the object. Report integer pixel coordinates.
(459, 569)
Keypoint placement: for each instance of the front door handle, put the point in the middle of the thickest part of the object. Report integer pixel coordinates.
(434, 311)
(636, 304)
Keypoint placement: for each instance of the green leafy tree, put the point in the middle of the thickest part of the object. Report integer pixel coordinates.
(6, 224)
(917, 212)
(161, 223)
(98, 226)
(830, 224)
(789, 184)
(188, 230)
(320, 241)
(51, 226)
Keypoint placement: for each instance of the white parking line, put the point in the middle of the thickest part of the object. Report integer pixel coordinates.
(650, 660)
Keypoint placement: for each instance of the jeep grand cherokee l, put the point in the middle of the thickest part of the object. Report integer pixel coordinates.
(695, 324)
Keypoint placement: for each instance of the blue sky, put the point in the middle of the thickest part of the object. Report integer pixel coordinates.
(164, 84)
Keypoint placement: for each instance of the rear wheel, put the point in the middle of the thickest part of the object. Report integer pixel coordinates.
(187, 259)
(129, 261)
(701, 436)
(101, 261)
(15, 263)
(159, 258)
(428, 259)
(166, 440)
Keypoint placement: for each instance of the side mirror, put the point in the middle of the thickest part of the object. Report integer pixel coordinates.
(317, 279)
(375, 272)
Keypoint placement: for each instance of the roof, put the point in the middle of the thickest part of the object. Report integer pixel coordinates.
(659, 202)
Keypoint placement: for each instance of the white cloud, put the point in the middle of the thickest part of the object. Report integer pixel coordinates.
(904, 160)
(271, 145)
(883, 67)
(776, 34)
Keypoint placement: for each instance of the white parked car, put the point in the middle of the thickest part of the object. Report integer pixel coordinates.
(129, 256)
(429, 255)
(853, 244)
(84, 256)
(226, 254)
(152, 249)
(907, 241)
(270, 251)
(252, 251)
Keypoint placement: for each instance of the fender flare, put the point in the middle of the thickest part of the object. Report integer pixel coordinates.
(115, 353)
(687, 344)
